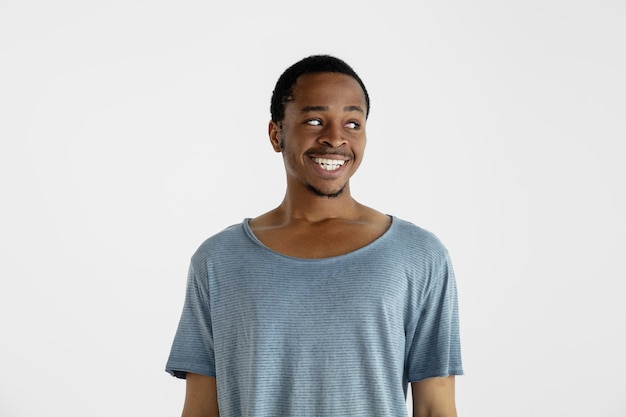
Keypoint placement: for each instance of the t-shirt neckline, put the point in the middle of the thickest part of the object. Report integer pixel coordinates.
(248, 230)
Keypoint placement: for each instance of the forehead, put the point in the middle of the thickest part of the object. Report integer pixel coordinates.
(324, 87)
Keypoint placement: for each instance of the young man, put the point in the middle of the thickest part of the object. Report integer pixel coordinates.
(322, 306)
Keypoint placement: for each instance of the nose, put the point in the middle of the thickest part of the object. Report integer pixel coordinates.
(332, 136)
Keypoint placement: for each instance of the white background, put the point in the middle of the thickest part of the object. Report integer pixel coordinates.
(133, 130)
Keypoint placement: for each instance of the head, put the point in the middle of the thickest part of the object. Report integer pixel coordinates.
(283, 91)
(319, 112)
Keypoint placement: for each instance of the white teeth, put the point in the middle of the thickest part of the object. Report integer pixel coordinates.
(329, 164)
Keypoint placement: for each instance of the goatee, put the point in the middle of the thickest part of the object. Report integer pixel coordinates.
(323, 194)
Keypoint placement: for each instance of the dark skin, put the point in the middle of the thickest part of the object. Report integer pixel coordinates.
(322, 140)
(312, 221)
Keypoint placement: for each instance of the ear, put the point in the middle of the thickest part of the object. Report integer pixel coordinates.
(274, 133)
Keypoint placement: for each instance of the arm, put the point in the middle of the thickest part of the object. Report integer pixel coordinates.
(434, 397)
(200, 396)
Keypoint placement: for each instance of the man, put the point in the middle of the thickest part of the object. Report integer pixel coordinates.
(322, 306)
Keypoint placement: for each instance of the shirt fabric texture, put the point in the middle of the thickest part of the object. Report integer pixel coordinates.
(339, 336)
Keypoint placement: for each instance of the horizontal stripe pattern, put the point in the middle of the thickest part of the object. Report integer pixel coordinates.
(318, 337)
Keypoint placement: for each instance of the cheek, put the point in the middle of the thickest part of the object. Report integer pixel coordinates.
(359, 148)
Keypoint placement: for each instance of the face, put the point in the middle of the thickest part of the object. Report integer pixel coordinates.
(322, 136)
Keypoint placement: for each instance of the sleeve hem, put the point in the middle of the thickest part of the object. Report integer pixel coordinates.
(180, 371)
(428, 375)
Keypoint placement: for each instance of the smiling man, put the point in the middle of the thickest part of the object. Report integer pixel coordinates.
(321, 306)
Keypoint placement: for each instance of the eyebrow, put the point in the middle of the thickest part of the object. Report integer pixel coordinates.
(308, 109)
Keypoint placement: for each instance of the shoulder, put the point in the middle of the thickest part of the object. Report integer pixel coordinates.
(421, 253)
(416, 240)
(225, 241)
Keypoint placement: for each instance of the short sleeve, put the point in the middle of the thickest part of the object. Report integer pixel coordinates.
(435, 347)
(192, 349)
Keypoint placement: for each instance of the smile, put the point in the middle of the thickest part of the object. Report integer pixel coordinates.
(329, 164)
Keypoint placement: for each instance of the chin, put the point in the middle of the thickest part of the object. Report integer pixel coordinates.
(326, 193)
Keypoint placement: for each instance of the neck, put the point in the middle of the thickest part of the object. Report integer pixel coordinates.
(305, 205)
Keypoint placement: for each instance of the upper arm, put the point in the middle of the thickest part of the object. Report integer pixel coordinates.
(200, 396)
(434, 397)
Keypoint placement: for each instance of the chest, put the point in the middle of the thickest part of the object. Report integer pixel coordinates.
(324, 305)
(323, 241)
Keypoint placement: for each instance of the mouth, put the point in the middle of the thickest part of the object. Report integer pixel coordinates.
(329, 164)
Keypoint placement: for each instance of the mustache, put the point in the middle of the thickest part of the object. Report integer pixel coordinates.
(327, 152)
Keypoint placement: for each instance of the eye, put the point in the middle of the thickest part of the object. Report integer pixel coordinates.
(353, 125)
(314, 122)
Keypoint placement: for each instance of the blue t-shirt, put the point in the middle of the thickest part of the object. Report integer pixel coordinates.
(339, 336)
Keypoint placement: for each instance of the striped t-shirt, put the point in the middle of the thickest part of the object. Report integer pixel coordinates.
(339, 336)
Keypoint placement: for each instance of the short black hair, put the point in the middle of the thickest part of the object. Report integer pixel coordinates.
(283, 91)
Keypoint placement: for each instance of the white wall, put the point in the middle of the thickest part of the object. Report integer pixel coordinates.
(132, 130)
